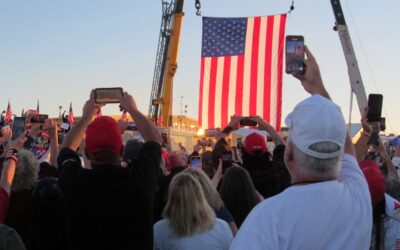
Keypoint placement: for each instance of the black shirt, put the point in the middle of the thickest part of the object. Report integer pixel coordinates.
(110, 207)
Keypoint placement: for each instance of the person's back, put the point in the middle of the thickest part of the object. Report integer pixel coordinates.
(328, 205)
(109, 206)
(219, 237)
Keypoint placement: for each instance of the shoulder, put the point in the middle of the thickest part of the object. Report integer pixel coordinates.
(68, 157)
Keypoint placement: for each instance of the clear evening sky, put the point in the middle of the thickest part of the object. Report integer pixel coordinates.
(57, 51)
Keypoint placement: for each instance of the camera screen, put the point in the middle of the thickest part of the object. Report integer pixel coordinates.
(111, 95)
(294, 55)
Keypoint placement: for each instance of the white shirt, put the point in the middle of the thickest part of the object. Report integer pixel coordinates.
(325, 215)
(392, 223)
(219, 237)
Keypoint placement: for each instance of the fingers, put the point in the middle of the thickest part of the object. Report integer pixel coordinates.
(309, 55)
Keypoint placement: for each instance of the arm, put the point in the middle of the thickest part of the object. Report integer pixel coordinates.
(311, 79)
(75, 135)
(145, 127)
(51, 127)
(8, 171)
(218, 175)
(361, 146)
(263, 125)
(232, 125)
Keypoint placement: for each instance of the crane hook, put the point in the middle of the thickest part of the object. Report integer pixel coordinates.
(197, 5)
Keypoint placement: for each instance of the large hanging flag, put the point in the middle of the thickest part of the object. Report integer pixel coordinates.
(241, 69)
(9, 114)
(71, 118)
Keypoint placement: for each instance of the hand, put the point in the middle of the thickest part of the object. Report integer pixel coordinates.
(219, 168)
(90, 109)
(128, 103)
(261, 124)
(122, 126)
(7, 133)
(18, 143)
(364, 121)
(234, 122)
(51, 128)
(311, 79)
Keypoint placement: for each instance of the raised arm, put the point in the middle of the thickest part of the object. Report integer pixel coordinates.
(51, 128)
(11, 158)
(75, 135)
(146, 128)
(361, 146)
(263, 125)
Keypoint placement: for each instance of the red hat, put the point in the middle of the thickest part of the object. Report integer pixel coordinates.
(103, 134)
(255, 142)
(375, 179)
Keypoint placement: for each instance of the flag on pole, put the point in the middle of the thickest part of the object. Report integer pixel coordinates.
(71, 118)
(241, 69)
(37, 107)
(9, 114)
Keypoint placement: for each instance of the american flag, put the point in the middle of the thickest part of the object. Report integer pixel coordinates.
(241, 69)
(71, 118)
(9, 114)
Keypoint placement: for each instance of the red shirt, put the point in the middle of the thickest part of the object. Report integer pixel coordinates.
(4, 198)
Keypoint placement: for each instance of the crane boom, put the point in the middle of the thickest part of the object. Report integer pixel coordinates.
(166, 62)
(356, 82)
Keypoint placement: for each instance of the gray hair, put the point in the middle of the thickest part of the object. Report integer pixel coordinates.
(26, 172)
(315, 166)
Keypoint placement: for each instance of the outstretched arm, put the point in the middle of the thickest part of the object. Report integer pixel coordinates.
(75, 135)
(145, 127)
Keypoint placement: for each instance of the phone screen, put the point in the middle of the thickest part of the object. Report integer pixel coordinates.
(131, 126)
(18, 127)
(295, 55)
(108, 95)
(247, 122)
(374, 107)
(195, 161)
(41, 118)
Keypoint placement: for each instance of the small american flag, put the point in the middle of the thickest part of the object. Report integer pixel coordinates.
(241, 69)
(9, 114)
(71, 118)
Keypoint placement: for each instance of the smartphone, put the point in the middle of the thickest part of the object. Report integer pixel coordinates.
(382, 124)
(247, 122)
(195, 161)
(374, 107)
(374, 139)
(211, 133)
(39, 118)
(204, 143)
(235, 155)
(226, 156)
(131, 126)
(18, 127)
(295, 55)
(108, 95)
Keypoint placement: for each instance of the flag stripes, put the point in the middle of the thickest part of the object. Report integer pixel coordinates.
(248, 83)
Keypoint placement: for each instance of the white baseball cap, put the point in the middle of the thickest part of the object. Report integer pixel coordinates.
(317, 119)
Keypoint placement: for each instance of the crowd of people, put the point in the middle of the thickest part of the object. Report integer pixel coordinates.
(315, 189)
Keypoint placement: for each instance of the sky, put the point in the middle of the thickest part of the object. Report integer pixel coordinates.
(57, 51)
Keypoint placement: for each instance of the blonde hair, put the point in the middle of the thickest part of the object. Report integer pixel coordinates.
(187, 208)
(212, 196)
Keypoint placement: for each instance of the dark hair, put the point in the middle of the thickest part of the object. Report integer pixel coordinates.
(378, 215)
(238, 193)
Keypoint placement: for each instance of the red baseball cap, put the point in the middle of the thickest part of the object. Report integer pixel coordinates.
(255, 142)
(375, 179)
(103, 134)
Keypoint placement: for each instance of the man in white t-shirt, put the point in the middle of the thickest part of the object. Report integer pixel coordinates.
(328, 205)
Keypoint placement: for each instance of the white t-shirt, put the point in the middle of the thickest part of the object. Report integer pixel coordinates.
(325, 215)
(219, 237)
(392, 223)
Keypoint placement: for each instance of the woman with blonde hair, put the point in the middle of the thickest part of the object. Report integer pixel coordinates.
(213, 198)
(190, 222)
